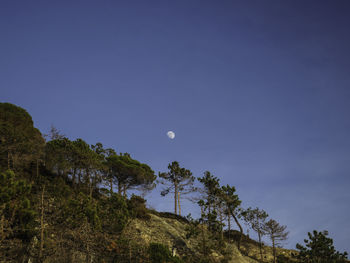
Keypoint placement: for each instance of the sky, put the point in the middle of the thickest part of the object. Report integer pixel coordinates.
(257, 92)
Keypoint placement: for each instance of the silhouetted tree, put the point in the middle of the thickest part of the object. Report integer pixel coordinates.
(129, 173)
(319, 249)
(230, 199)
(20, 143)
(179, 181)
(276, 232)
(256, 220)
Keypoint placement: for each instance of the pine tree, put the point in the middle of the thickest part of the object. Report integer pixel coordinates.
(256, 220)
(179, 181)
(276, 232)
(319, 249)
(230, 199)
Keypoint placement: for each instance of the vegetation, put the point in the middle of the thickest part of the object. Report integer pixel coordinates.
(180, 182)
(276, 232)
(73, 201)
(256, 219)
(319, 249)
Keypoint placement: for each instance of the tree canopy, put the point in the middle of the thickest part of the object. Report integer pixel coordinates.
(319, 249)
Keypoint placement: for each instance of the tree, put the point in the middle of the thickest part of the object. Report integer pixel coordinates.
(230, 199)
(210, 203)
(59, 156)
(319, 249)
(129, 173)
(256, 220)
(20, 141)
(179, 181)
(211, 189)
(276, 232)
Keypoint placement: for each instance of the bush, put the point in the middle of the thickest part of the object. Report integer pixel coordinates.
(159, 253)
(15, 206)
(114, 213)
(137, 207)
(82, 209)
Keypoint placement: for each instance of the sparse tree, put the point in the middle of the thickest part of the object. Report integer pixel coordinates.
(179, 181)
(277, 233)
(256, 220)
(230, 199)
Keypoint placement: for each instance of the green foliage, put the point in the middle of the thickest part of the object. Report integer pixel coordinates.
(137, 207)
(192, 229)
(284, 259)
(319, 249)
(20, 142)
(159, 253)
(128, 173)
(82, 209)
(256, 218)
(15, 206)
(114, 213)
(178, 181)
(209, 205)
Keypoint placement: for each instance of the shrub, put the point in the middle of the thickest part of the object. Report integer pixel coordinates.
(137, 207)
(114, 213)
(15, 206)
(159, 253)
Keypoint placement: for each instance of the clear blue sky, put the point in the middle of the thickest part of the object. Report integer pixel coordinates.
(257, 92)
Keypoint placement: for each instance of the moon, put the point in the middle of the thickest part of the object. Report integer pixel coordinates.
(171, 134)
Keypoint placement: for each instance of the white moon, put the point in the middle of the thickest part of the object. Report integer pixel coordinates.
(171, 134)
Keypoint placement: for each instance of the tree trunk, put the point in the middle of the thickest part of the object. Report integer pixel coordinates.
(73, 176)
(37, 168)
(175, 199)
(240, 229)
(79, 178)
(42, 224)
(229, 227)
(119, 188)
(178, 201)
(221, 222)
(111, 185)
(260, 246)
(274, 250)
(124, 190)
(91, 182)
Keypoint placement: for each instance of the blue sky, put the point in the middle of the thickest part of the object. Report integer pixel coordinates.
(257, 92)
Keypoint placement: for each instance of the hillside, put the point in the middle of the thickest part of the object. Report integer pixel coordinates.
(69, 201)
(84, 245)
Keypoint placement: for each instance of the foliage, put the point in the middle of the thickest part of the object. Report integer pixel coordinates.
(114, 213)
(256, 220)
(319, 248)
(284, 259)
(179, 181)
(137, 207)
(159, 253)
(276, 232)
(209, 206)
(20, 142)
(82, 209)
(15, 207)
(128, 173)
